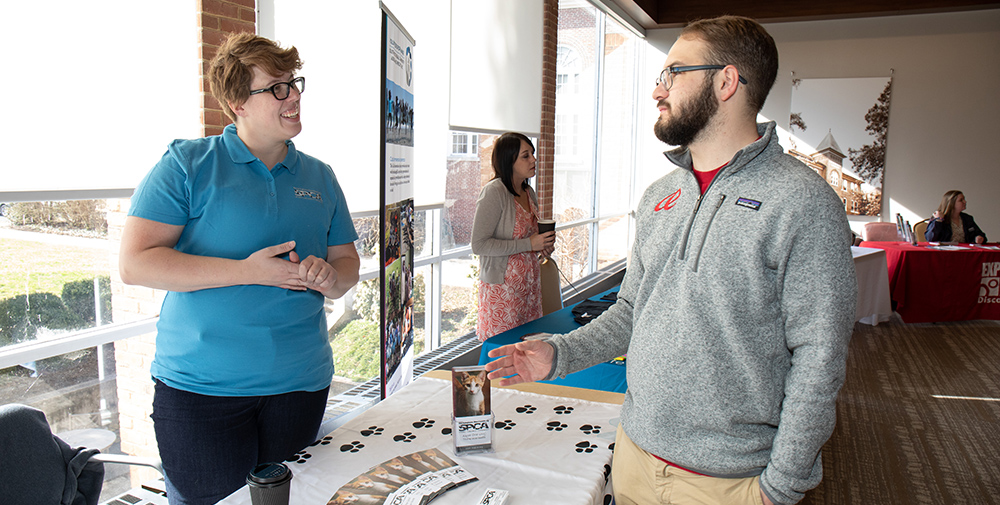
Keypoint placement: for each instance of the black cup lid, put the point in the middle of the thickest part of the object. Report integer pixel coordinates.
(269, 473)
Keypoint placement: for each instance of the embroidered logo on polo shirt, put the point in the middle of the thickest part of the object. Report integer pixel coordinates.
(668, 202)
(748, 203)
(308, 193)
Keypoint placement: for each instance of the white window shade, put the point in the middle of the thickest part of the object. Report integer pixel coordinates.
(95, 91)
(496, 65)
(340, 45)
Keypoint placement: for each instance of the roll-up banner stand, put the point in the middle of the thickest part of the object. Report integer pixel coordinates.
(397, 205)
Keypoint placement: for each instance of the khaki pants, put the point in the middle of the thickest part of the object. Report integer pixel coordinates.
(641, 479)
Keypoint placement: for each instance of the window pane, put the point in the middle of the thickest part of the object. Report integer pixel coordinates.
(76, 391)
(55, 277)
(421, 323)
(423, 242)
(572, 252)
(612, 240)
(458, 143)
(459, 292)
(466, 176)
(576, 102)
(356, 334)
(368, 243)
(617, 119)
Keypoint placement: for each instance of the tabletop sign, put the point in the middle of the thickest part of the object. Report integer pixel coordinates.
(471, 413)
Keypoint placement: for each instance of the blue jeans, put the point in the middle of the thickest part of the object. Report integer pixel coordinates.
(208, 444)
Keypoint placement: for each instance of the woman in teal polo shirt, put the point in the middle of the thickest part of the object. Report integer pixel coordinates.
(248, 236)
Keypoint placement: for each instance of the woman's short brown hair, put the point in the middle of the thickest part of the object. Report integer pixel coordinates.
(231, 71)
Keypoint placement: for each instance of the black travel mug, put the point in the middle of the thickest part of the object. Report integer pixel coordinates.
(269, 484)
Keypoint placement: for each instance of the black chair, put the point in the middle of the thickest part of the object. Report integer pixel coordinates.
(40, 468)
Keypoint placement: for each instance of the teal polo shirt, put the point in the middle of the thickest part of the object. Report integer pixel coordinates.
(248, 340)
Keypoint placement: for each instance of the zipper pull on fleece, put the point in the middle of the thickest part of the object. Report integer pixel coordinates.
(711, 219)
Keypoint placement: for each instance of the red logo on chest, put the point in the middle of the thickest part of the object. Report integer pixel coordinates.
(668, 202)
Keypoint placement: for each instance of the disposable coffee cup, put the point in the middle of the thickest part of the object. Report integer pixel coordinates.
(270, 484)
(546, 225)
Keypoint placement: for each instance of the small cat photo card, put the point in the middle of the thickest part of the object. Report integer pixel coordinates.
(471, 411)
(470, 391)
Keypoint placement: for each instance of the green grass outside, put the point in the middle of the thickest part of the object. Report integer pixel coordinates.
(36, 267)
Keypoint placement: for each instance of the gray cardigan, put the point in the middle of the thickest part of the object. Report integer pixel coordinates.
(493, 230)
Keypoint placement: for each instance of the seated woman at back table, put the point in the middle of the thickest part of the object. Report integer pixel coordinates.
(951, 224)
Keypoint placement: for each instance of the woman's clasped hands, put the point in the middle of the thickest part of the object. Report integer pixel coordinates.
(292, 273)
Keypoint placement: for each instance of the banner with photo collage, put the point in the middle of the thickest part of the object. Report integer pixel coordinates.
(397, 206)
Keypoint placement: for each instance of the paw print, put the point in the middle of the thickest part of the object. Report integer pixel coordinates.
(405, 437)
(506, 424)
(424, 423)
(446, 431)
(326, 440)
(299, 457)
(563, 410)
(354, 446)
(527, 409)
(612, 447)
(585, 447)
(555, 426)
(590, 429)
(607, 472)
(372, 430)
(323, 441)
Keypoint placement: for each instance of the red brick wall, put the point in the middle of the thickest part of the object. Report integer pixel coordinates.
(546, 144)
(216, 20)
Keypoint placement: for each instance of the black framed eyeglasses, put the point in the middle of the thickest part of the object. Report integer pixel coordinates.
(667, 75)
(281, 90)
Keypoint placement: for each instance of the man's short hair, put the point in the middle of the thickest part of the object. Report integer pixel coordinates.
(231, 71)
(743, 43)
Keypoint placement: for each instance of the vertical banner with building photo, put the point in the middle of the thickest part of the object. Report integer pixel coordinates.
(397, 205)
(839, 127)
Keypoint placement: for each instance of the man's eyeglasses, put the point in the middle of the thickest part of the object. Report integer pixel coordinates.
(667, 75)
(281, 90)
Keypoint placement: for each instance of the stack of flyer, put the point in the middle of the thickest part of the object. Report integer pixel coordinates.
(413, 479)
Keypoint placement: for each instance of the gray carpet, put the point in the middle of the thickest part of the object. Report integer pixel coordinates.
(895, 442)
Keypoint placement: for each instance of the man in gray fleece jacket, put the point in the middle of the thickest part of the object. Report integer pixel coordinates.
(739, 299)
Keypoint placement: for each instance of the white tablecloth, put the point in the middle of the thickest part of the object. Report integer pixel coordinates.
(549, 449)
(874, 305)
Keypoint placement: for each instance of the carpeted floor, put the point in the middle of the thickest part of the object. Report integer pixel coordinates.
(894, 441)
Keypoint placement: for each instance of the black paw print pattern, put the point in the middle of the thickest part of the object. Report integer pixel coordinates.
(506, 424)
(585, 447)
(299, 457)
(423, 423)
(354, 446)
(405, 437)
(590, 429)
(527, 409)
(323, 441)
(555, 426)
(563, 410)
(372, 430)
(608, 500)
(446, 431)
(607, 473)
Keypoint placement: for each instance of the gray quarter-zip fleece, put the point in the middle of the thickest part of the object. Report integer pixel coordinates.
(735, 311)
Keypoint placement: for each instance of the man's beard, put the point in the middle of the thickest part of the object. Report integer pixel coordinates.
(686, 122)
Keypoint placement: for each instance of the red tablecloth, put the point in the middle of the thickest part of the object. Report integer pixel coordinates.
(932, 285)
